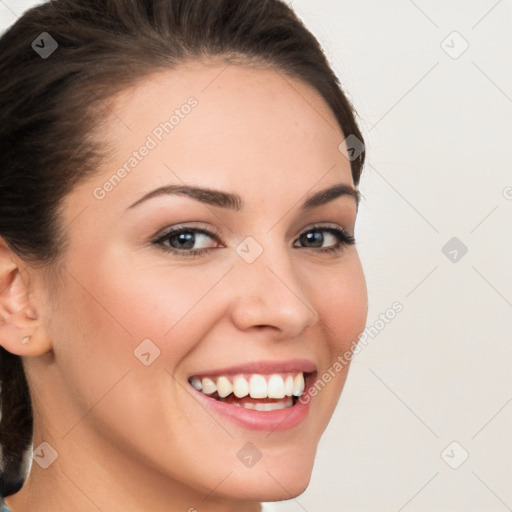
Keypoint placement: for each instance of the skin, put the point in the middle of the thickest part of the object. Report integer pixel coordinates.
(130, 437)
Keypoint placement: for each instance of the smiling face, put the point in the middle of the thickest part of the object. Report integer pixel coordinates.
(274, 282)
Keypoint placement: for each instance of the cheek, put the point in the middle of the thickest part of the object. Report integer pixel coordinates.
(164, 303)
(105, 315)
(120, 302)
(342, 304)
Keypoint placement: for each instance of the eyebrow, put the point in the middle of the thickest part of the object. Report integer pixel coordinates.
(234, 201)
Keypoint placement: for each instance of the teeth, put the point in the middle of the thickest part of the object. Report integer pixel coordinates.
(258, 386)
(288, 385)
(283, 404)
(298, 384)
(208, 386)
(276, 387)
(224, 387)
(196, 383)
(273, 407)
(240, 387)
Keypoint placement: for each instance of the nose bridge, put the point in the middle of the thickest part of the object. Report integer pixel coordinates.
(267, 290)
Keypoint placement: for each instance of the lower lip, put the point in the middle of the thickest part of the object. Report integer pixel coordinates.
(272, 421)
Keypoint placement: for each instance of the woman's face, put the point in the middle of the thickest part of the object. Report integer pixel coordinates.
(137, 315)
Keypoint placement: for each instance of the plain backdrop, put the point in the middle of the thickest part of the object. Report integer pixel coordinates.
(424, 422)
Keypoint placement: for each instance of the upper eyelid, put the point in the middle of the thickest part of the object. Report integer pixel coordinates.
(176, 229)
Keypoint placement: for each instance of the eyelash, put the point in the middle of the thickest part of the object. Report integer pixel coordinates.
(344, 239)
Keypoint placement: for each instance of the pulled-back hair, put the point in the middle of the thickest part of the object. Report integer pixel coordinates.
(52, 105)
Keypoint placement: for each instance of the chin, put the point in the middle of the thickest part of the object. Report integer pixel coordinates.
(283, 480)
(290, 489)
(273, 489)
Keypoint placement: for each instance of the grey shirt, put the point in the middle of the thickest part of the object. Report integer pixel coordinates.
(4, 507)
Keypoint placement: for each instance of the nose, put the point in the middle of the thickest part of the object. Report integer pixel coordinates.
(267, 293)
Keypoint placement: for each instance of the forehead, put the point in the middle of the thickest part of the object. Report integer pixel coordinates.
(244, 129)
(234, 103)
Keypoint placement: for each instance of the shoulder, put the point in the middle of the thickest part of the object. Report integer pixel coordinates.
(3, 506)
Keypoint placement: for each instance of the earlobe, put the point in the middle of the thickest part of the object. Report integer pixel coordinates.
(21, 331)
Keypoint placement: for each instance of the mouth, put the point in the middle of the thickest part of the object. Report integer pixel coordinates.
(255, 391)
(268, 396)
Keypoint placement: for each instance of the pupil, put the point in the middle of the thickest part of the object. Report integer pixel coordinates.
(187, 239)
(314, 236)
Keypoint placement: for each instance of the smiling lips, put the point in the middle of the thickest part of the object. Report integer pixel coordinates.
(253, 391)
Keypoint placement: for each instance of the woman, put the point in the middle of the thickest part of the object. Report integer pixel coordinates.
(177, 263)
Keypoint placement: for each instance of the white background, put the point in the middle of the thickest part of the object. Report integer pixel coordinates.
(439, 135)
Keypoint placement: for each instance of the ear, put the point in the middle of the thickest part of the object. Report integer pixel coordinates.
(19, 316)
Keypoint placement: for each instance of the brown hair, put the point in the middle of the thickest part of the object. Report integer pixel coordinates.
(51, 107)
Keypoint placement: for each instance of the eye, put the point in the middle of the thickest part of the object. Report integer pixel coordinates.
(187, 241)
(319, 235)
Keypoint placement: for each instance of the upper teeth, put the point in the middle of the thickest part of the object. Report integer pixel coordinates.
(256, 386)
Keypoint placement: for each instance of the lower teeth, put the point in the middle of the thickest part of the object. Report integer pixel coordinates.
(282, 404)
(261, 404)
